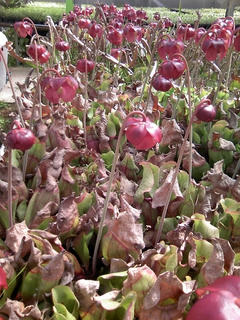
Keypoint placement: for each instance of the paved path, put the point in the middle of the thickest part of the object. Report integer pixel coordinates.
(18, 74)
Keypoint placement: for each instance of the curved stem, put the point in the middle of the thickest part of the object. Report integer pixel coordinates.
(36, 91)
(10, 211)
(34, 27)
(11, 85)
(85, 106)
(25, 157)
(190, 112)
(111, 176)
(170, 190)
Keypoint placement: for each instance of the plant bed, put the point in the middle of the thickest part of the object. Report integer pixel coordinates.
(119, 182)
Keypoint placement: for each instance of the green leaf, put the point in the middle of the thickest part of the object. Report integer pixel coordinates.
(80, 245)
(204, 227)
(126, 309)
(149, 183)
(64, 295)
(112, 281)
(61, 312)
(108, 159)
(111, 129)
(204, 250)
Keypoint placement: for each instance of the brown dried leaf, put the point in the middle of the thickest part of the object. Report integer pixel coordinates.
(214, 267)
(159, 197)
(167, 286)
(53, 271)
(172, 133)
(46, 212)
(67, 216)
(123, 238)
(197, 160)
(221, 182)
(17, 181)
(86, 291)
(226, 145)
(16, 310)
(15, 234)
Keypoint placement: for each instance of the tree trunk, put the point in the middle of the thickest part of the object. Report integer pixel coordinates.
(231, 4)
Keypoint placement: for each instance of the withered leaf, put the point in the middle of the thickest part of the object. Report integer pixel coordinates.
(67, 216)
(214, 267)
(159, 197)
(123, 238)
(15, 234)
(16, 310)
(172, 133)
(86, 291)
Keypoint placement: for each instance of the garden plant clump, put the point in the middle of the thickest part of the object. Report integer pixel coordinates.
(120, 189)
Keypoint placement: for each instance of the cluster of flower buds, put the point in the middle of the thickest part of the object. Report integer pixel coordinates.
(23, 28)
(59, 88)
(218, 39)
(168, 70)
(38, 52)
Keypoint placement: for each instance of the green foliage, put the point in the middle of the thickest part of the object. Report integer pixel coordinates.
(13, 3)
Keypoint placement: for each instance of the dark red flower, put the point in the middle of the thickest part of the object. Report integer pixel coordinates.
(237, 42)
(214, 48)
(3, 279)
(199, 33)
(62, 45)
(84, 23)
(23, 28)
(115, 52)
(205, 111)
(142, 133)
(130, 32)
(172, 69)
(58, 88)
(169, 46)
(115, 36)
(95, 30)
(38, 52)
(20, 138)
(85, 65)
(218, 301)
(185, 32)
(161, 84)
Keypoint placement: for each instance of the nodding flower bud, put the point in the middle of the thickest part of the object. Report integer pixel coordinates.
(205, 111)
(20, 138)
(142, 133)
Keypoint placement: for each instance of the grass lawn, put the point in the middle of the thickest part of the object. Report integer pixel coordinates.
(38, 11)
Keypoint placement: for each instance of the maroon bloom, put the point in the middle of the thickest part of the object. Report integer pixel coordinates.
(172, 69)
(3, 279)
(115, 52)
(20, 138)
(142, 133)
(185, 32)
(219, 301)
(115, 36)
(200, 32)
(62, 45)
(168, 47)
(160, 83)
(95, 30)
(214, 48)
(237, 42)
(23, 28)
(130, 32)
(205, 111)
(38, 52)
(84, 23)
(85, 65)
(60, 88)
